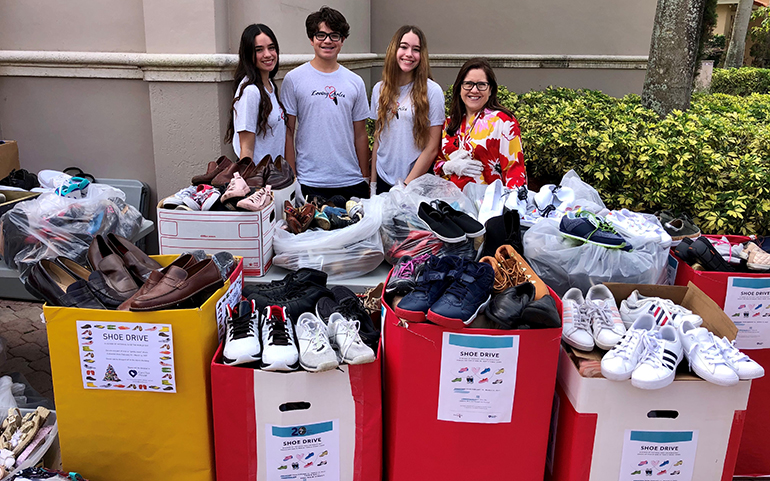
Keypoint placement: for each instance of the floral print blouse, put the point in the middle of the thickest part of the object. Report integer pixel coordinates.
(495, 140)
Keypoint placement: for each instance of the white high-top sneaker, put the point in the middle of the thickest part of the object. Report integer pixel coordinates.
(279, 353)
(242, 336)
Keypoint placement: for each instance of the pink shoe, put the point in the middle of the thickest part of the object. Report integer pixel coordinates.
(236, 188)
(203, 199)
(258, 200)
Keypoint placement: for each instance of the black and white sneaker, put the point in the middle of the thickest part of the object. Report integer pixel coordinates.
(279, 352)
(242, 343)
(662, 354)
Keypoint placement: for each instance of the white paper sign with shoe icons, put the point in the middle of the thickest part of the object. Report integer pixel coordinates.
(747, 304)
(124, 356)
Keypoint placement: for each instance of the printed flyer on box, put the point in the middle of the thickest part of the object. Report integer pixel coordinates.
(231, 298)
(658, 455)
(126, 356)
(478, 378)
(304, 452)
(747, 303)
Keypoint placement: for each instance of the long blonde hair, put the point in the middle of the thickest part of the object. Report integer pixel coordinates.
(389, 91)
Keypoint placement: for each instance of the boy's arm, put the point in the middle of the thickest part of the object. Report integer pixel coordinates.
(362, 147)
(289, 154)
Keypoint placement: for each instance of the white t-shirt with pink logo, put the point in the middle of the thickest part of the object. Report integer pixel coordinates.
(326, 105)
(245, 117)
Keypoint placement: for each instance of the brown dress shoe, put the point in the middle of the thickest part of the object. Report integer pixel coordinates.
(255, 175)
(291, 214)
(279, 174)
(214, 168)
(137, 262)
(306, 216)
(183, 261)
(103, 258)
(223, 178)
(179, 285)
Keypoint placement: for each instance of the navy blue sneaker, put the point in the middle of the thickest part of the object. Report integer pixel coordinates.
(468, 295)
(436, 275)
(585, 226)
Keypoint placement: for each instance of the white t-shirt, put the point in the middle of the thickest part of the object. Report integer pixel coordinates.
(398, 151)
(326, 105)
(245, 115)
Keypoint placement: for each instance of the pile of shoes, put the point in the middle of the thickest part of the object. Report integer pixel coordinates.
(648, 337)
(298, 322)
(719, 255)
(317, 212)
(234, 186)
(16, 433)
(120, 276)
(31, 474)
(499, 292)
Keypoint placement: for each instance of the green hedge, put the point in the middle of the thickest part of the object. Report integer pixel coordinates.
(712, 161)
(740, 81)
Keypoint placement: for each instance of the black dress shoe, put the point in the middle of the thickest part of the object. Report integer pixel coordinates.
(96, 281)
(540, 314)
(50, 282)
(507, 308)
(501, 230)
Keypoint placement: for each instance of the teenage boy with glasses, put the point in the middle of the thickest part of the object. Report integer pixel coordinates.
(326, 103)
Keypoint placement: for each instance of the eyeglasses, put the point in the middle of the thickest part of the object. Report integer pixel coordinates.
(482, 86)
(334, 36)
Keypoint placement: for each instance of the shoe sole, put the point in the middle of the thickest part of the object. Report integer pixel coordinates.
(365, 359)
(324, 366)
(473, 235)
(210, 201)
(279, 366)
(606, 347)
(244, 359)
(706, 376)
(411, 316)
(588, 241)
(190, 202)
(578, 346)
(650, 385)
(449, 240)
(617, 377)
(455, 323)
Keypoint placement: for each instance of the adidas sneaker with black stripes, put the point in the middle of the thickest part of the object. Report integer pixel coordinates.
(663, 353)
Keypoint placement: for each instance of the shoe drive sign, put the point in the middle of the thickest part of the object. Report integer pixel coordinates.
(478, 378)
(658, 455)
(127, 356)
(747, 303)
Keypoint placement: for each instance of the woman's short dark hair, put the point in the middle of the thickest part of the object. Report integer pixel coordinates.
(334, 20)
(457, 107)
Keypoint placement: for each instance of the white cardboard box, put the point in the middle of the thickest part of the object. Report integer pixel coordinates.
(246, 234)
(595, 420)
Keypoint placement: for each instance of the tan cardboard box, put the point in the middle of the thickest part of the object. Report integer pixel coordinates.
(9, 157)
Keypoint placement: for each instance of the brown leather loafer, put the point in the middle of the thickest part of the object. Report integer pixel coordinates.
(223, 178)
(137, 262)
(103, 258)
(279, 174)
(179, 285)
(183, 261)
(214, 168)
(255, 175)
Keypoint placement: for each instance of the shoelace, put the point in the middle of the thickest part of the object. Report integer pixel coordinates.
(318, 339)
(405, 270)
(628, 344)
(459, 288)
(242, 327)
(731, 353)
(579, 320)
(351, 309)
(651, 349)
(710, 351)
(278, 334)
(349, 330)
(592, 311)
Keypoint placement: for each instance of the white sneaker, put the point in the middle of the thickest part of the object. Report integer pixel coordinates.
(621, 360)
(179, 198)
(662, 354)
(493, 204)
(743, 365)
(344, 337)
(705, 357)
(242, 339)
(601, 310)
(665, 311)
(315, 351)
(633, 224)
(576, 330)
(279, 353)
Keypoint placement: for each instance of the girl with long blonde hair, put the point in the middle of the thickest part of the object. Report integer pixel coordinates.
(408, 109)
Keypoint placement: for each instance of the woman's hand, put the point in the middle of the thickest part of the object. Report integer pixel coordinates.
(461, 163)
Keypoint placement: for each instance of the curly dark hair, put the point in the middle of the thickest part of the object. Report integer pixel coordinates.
(333, 19)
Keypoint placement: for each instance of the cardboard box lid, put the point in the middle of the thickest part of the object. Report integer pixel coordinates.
(9, 157)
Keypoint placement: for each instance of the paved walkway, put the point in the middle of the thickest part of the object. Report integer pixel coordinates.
(26, 344)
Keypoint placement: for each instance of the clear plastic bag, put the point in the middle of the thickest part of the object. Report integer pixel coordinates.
(562, 263)
(343, 253)
(51, 226)
(404, 233)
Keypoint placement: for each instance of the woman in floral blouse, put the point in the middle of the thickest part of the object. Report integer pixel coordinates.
(481, 141)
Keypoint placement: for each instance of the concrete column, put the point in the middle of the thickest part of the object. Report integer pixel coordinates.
(737, 46)
(673, 54)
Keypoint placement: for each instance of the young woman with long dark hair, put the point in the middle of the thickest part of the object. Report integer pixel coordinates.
(258, 124)
(408, 107)
(481, 141)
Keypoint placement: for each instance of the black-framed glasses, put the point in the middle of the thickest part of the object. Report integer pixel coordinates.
(334, 36)
(482, 86)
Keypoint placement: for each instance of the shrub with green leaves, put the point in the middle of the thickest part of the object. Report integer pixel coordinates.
(740, 81)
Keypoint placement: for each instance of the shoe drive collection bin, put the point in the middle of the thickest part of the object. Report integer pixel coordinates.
(607, 430)
(295, 426)
(245, 234)
(754, 453)
(435, 431)
(121, 435)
